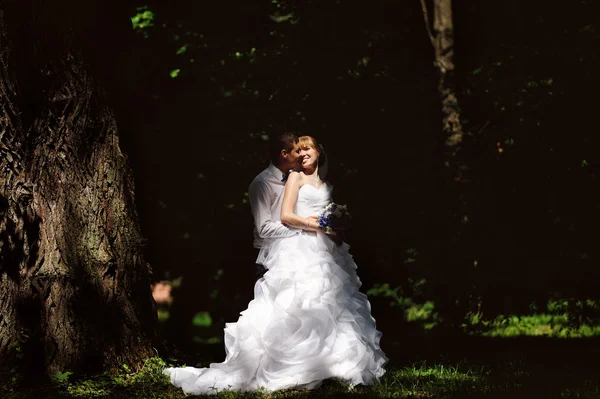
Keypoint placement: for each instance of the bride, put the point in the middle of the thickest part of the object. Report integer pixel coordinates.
(308, 321)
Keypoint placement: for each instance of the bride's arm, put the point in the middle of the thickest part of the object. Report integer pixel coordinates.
(290, 196)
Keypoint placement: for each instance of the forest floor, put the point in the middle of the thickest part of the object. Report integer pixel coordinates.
(442, 367)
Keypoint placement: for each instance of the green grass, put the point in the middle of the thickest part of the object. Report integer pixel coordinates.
(557, 318)
(420, 380)
(561, 318)
(549, 325)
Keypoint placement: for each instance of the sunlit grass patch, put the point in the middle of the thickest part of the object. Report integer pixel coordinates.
(432, 381)
(415, 381)
(560, 319)
(421, 312)
(148, 381)
(588, 390)
(539, 325)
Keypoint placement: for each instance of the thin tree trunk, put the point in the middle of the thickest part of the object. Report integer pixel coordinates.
(443, 44)
(442, 40)
(455, 254)
(74, 286)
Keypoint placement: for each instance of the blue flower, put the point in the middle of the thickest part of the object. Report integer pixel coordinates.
(334, 217)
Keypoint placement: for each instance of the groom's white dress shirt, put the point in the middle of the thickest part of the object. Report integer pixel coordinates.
(266, 195)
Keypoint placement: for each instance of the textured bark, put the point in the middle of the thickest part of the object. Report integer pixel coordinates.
(74, 285)
(442, 39)
(443, 45)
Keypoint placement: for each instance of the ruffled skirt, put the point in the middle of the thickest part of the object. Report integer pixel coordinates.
(307, 322)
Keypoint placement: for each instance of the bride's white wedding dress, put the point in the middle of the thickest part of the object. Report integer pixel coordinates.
(307, 321)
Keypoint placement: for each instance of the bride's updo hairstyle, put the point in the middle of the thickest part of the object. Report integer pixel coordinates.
(309, 141)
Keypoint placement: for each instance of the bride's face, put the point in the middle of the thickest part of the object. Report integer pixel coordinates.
(309, 156)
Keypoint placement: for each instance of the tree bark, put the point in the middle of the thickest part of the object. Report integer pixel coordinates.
(442, 40)
(454, 250)
(74, 285)
(443, 44)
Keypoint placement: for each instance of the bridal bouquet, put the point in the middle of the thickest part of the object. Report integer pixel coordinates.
(335, 218)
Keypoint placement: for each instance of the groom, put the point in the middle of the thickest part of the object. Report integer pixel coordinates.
(266, 193)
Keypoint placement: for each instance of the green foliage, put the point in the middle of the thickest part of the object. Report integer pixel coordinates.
(384, 290)
(143, 20)
(182, 49)
(282, 18)
(422, 312)
(564, 318)
(412, 255)
(202, 319)
(61, 378)
(209, 341)
(148, 382)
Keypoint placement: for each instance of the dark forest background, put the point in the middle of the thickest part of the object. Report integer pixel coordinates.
(199, 87)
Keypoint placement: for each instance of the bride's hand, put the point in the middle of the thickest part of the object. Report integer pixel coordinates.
(313, 222)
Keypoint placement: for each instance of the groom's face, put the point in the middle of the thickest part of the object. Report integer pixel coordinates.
(293, 157)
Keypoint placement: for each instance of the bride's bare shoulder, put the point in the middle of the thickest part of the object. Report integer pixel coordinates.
(295, 176)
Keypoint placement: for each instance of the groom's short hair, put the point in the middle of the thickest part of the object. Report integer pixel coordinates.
(284, 141)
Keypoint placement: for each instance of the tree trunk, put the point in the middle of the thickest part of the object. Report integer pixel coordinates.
(443, 44)
(454, 253)
(442, 40)
(74, 286)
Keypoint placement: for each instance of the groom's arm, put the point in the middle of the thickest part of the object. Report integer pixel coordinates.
(259, 195)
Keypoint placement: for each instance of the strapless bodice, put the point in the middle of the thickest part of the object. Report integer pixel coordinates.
(312, 200)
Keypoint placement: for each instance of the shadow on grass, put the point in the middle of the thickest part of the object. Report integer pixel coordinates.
(449, 366)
